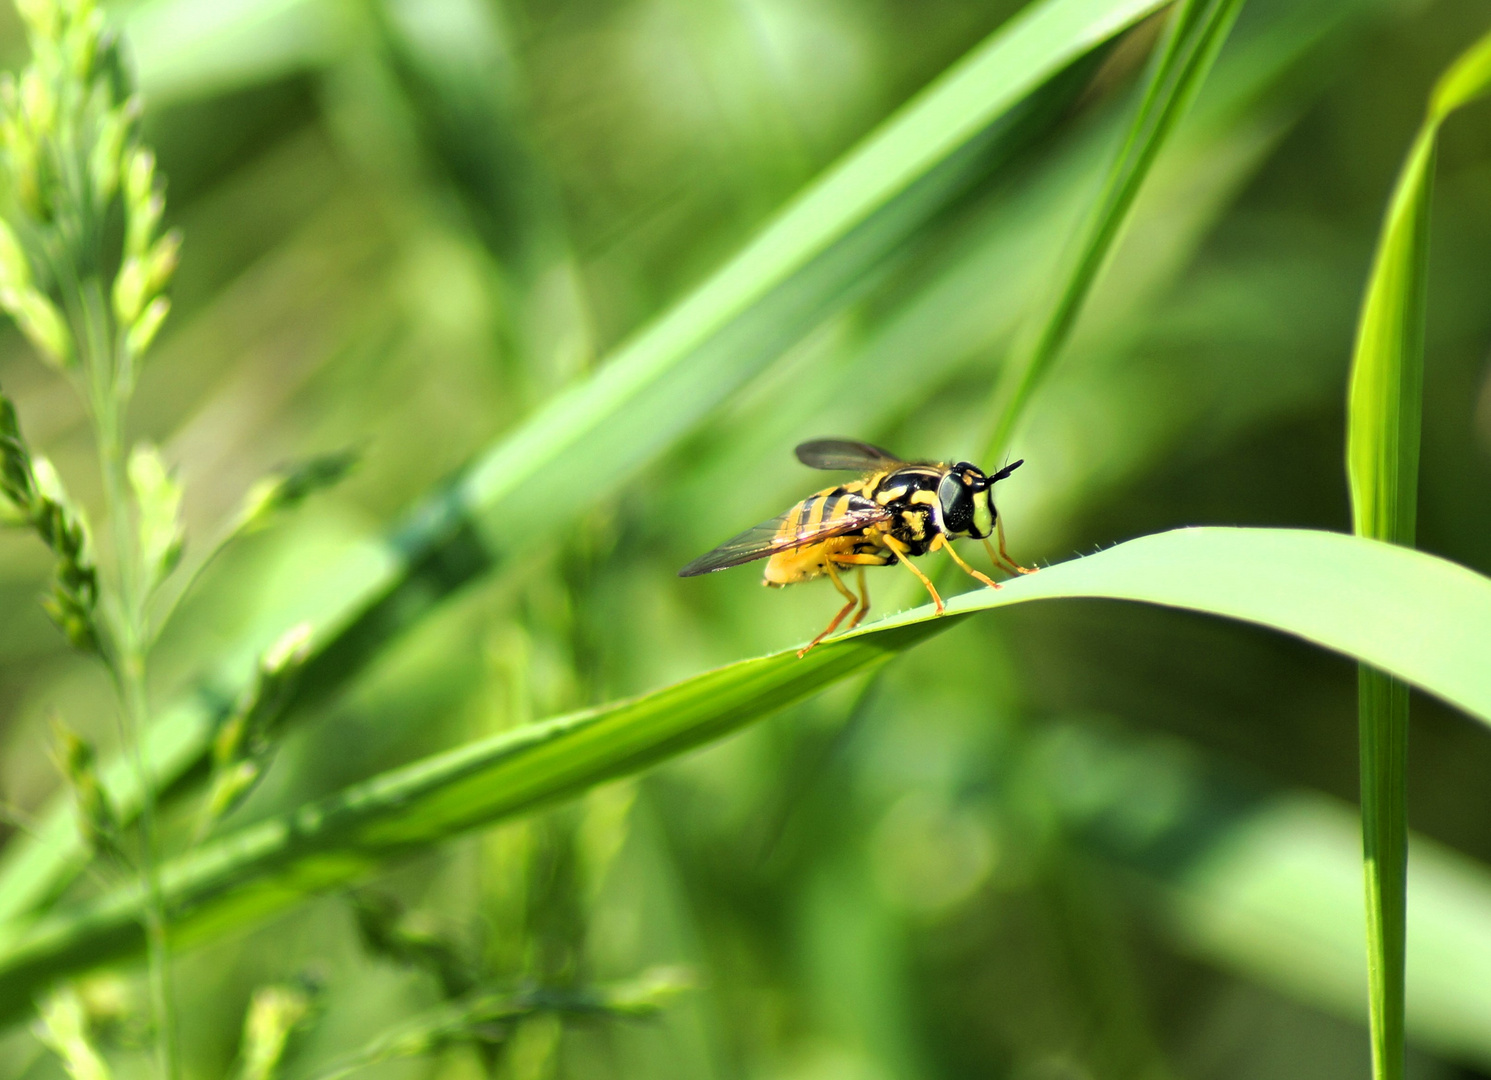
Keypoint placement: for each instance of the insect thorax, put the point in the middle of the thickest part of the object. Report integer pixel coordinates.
(910, 493)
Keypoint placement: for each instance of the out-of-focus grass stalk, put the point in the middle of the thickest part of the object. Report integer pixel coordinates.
(1420, 617)
(1384, 417)
(488, 1016)
(107, 362)
(273, 1015)
(62, 1026)
(1198, 29)
(72, 152)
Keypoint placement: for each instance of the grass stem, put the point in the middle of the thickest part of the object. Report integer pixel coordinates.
(109, 398)
(1384, 757)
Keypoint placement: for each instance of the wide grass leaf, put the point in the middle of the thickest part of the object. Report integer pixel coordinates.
(1425, 620)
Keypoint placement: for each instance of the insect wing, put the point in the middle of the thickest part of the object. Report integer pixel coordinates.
(776, 535)
(846, 455)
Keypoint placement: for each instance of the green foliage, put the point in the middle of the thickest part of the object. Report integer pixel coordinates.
(97, 820)
(62, 1024)
(71, 142)
(1386, 389)
(574, 278)
(72, 159)
(834, 236)
(1332, 590)
(33, 496)
(243, 744)
(273, 1016)
(61, 526)
(158, 505)
(490, 1018)
(388, 930)
(1197, 30)
(287, 488)
(1385, 410)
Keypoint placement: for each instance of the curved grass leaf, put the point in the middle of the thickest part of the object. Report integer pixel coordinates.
(1425, 620)
(1382, 455)
(1198, 29)
(828, 242)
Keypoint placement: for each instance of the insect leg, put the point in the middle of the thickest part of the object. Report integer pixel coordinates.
(864, 601)
(833, 576)
(947, 545)
(861, 560)
(905, 560)
(1003, 558)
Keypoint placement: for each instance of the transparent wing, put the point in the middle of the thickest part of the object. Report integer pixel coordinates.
(773, 536)
(845, 454)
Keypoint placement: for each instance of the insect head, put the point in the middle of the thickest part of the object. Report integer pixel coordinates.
(965, 500)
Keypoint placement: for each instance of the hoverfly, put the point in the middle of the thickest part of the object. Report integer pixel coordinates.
(897, 510)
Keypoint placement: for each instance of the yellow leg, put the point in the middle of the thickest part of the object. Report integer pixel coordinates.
(833, 575)
(1003, 558)
(852, 559)
(905, 560)
(947, 545)
(864, 601)
(993, 555)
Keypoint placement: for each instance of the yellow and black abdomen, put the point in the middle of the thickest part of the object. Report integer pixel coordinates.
(811, 560)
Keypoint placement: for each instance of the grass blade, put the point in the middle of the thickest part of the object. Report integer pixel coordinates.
(1198, 29)
(1384, 416)
(1425, 620)
(657, 387)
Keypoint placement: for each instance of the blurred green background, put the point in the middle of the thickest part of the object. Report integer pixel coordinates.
(1062, 841)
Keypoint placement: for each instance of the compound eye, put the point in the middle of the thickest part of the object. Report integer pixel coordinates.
(956, 502)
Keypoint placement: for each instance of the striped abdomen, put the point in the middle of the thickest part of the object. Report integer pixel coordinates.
(805, 563)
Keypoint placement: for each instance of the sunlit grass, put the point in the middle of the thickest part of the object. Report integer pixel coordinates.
(567, 251)
(1382, 453)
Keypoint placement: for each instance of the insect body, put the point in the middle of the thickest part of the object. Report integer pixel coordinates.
(897, 510)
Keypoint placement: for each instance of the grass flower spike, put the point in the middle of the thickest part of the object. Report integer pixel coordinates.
(72, 166)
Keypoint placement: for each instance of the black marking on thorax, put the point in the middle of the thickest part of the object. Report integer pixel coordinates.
(913, 522)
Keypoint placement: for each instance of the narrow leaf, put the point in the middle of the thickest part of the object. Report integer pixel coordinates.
(1198, 29)
(1425, 620)
(1384, 416)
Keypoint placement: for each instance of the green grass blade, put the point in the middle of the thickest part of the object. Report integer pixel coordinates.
(1382, 722)
(1425, 620)
(1198, 29)
(1384, 405)
(1384, 415)
(658, 386)
(1382, 452)
(1387, 367)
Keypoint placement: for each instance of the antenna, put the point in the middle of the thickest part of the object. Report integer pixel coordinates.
(1002, 473)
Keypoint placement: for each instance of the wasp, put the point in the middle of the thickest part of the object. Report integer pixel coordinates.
(896, 511)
